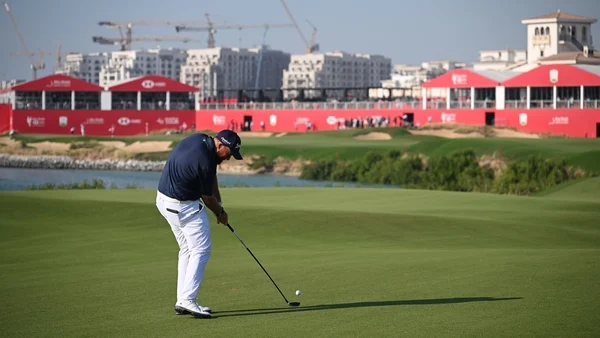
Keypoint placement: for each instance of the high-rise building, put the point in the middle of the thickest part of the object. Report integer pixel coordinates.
(123, 65)
(229, 69)
(86, 67)
(335, 70)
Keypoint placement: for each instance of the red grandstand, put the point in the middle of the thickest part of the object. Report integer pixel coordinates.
(555, 99)
(59, 104)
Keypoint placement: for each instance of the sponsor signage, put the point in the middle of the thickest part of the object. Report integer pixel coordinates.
(557, 120)
(219, 120)
(125, 121)
(59, 84)
(448, 118)
(459, 79)
(35, 121)
(168, 120)
(149, 84)
(523, 119)
(94, 120)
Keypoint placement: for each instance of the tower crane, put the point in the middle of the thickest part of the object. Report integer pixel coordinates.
(311, 46)
(35, 65)
(127, 38)
(123, 43)
(212, 29)
(41, 55)
(260, 56)
(59, 55)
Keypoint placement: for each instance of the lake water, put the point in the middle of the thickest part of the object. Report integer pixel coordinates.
(20, 178)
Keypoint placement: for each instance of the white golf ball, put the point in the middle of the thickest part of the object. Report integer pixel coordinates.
(297, 292)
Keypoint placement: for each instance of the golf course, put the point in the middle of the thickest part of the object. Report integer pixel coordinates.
(369, 262)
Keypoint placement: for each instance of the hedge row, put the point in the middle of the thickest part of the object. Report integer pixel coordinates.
(459, 171)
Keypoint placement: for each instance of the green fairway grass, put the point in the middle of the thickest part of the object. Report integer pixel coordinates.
(369, 263)
(341, 144)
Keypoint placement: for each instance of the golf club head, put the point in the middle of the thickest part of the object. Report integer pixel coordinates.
(294, 303)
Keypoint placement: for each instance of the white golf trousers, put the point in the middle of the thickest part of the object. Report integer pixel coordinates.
(190, 225)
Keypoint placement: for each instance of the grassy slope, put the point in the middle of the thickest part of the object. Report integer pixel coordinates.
(369, 262)
(325, 145)
(580, 190)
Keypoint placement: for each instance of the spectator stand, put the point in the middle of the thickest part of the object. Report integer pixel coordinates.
(56, 92)
(151, 93)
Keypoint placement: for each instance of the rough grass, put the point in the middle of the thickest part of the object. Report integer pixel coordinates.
(376, 263)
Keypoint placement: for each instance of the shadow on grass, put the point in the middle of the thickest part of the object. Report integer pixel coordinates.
(250, 312)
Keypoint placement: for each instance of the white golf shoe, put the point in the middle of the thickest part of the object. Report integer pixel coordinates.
(186, 307)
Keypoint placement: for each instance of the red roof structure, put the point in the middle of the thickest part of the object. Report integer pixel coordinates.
(152, 83)
(555, 75)
(57, 83)
(467, 78)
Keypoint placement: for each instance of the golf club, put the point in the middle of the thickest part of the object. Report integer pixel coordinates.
(238, 237)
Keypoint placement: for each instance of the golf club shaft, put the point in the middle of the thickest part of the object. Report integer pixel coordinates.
(244, 244)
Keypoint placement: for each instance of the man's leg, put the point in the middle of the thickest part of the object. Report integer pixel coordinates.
(183, 216)
(184, 258)
(198, 236)
(184, 252)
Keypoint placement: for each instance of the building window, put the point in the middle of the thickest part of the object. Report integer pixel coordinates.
(583, 34)
(547, 30)
(542, 53)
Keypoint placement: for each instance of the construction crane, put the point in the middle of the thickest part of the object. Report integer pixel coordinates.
(59, 55)
(41, 55)
(124, 43)
(127, 37)
(311, 46)
(260, 56)
(35, 65)
(212, 29)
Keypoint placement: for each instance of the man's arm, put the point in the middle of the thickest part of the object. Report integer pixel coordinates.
(212, 204)
(212, 200)
(215, 191)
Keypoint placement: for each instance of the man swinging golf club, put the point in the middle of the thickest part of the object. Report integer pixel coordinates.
(188, 176)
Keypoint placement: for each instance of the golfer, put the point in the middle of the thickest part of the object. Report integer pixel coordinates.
(188, 176)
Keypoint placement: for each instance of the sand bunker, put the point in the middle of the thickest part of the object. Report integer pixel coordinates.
(254, 134)
(374, 136)
(148, 147)
(446, 133)
(50, 146)
(9, 142)
(113, 144)
(449, 133)
(513, 134)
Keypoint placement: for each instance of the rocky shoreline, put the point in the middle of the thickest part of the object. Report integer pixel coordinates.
(66, 162)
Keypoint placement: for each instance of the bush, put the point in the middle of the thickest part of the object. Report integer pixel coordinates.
(319, 170)
(262, 162)
(459, 171)
(533, 175)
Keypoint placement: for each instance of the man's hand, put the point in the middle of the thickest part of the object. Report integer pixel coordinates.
(223, 218)
(214, 205)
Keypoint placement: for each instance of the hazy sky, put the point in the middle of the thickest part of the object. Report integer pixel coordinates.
(406, 31)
